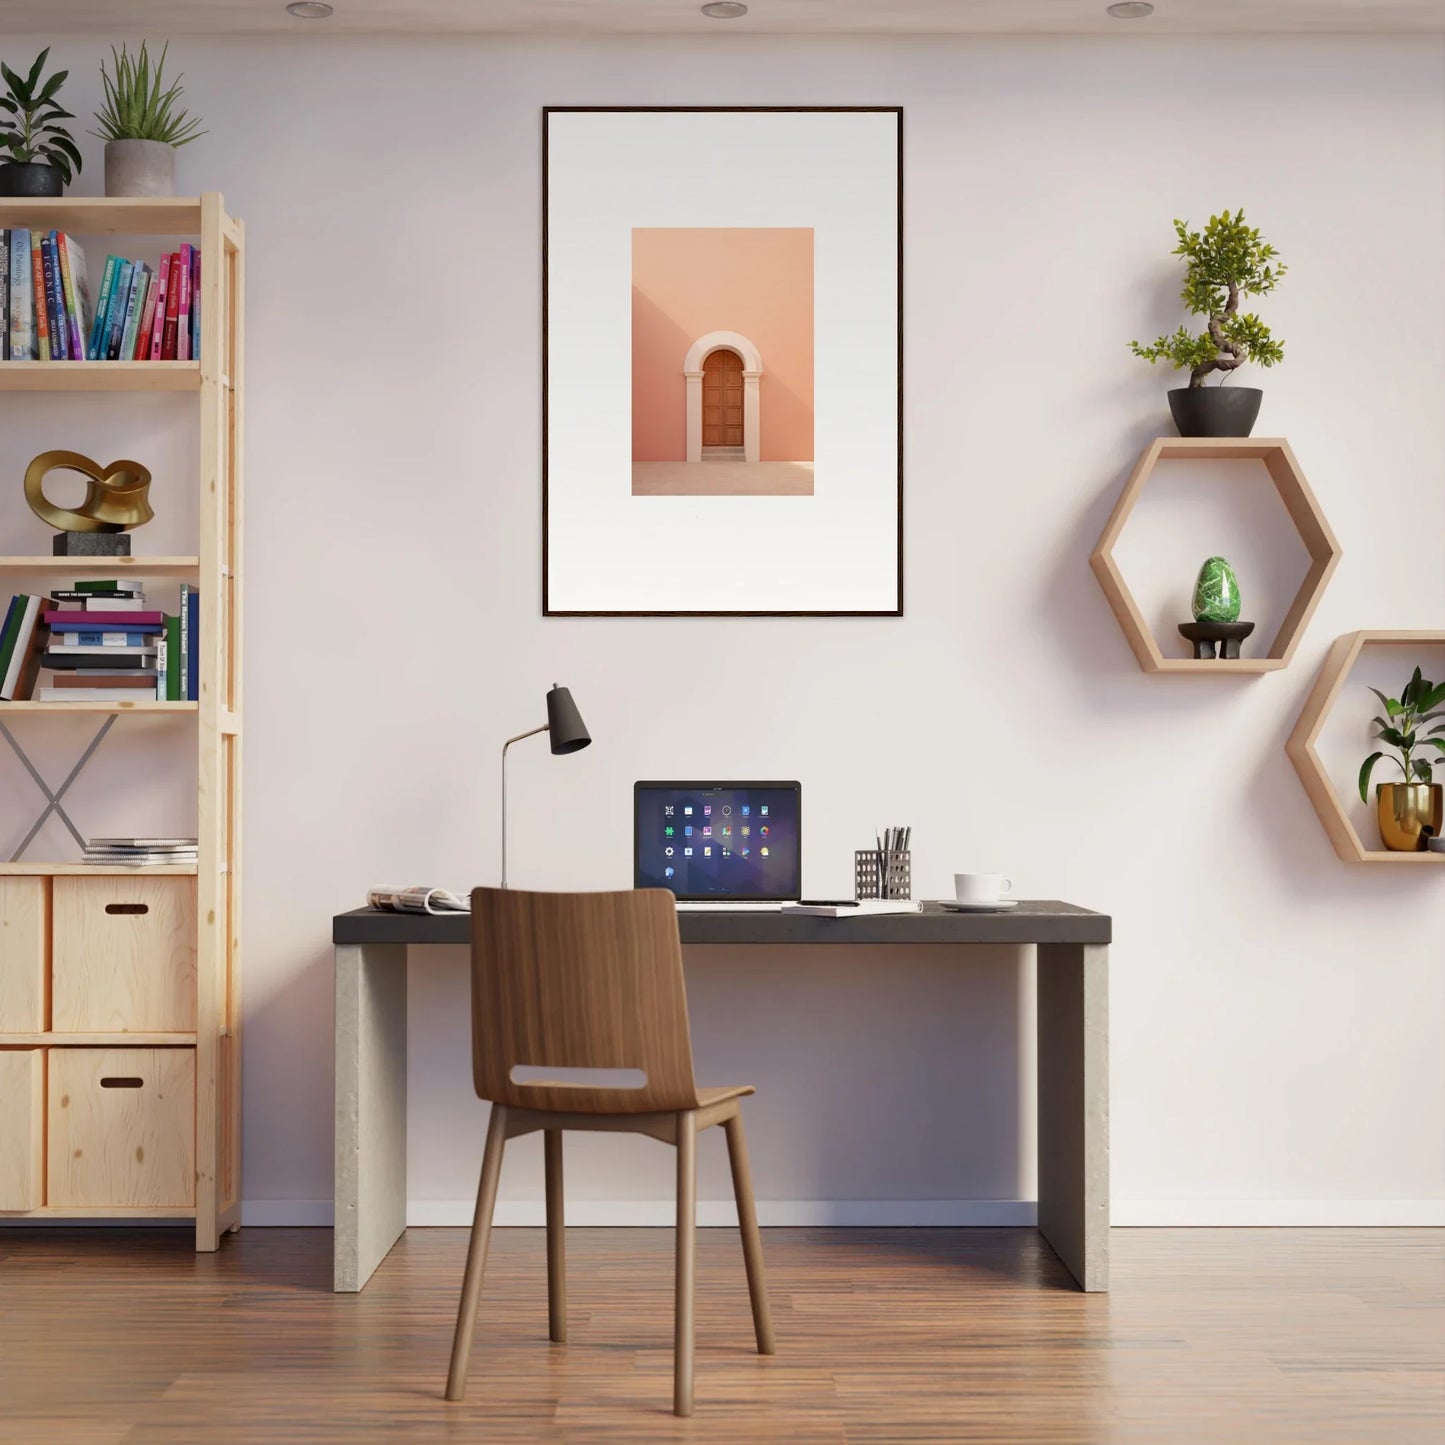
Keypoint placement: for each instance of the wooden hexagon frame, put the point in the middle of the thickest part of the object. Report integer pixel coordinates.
(1304, 512)
(1301, 746)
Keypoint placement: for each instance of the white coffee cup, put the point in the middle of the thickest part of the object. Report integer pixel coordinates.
(981, 887)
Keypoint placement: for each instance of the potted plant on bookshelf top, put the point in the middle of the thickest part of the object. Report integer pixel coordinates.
(39, 156)
(1409, 811)
(1224, 263)
(141, 126)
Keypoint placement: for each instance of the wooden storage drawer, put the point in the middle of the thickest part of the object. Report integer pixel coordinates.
(120, 1127)
(22, 1129)
(24, 933)
(123, 955)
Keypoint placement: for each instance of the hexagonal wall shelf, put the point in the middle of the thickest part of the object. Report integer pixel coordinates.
(1304, 512)
(1301, 746)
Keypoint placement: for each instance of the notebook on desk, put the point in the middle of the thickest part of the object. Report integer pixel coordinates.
(720, 845)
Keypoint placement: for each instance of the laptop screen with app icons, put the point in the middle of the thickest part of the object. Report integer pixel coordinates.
(724, 841)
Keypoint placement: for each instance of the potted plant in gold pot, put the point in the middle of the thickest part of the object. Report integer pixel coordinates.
(1410, 811)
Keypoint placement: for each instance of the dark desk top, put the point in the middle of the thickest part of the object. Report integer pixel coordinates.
(1033, 921)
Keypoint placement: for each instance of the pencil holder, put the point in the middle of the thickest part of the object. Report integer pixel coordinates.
(879, 875)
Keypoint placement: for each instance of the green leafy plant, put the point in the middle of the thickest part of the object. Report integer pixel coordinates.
(1224, 263)
(29, 111)
(1419, 703)
(136, 107)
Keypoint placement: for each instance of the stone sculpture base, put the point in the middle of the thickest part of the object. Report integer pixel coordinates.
(1207, 635)
(91, 544)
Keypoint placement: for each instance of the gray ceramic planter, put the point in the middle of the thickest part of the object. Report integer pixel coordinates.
(140, 168)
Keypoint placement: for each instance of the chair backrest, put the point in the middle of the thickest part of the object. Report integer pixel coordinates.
(580, 981)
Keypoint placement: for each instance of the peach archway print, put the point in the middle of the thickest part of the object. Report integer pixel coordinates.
(722, 361)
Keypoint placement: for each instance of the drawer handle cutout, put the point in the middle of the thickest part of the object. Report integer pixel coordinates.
(122, 1083)
(127, 908)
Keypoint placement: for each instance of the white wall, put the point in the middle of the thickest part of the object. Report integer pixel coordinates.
(1276, 1015)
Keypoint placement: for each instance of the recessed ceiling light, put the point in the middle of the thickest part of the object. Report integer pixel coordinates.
(310, 9)
(1131, 9)
(725, 10)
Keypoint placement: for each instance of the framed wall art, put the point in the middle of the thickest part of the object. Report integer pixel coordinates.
(722, 361)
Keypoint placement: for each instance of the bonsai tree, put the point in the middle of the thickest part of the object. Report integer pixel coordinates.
(29, 134)
(136, 108)
(1224, 263)
(1419, 703)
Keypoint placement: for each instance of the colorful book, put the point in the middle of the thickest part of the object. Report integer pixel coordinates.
(42, 305)
(101, 639)
(75, 621)
(24, 663)
(172, 672)
(95, 349)
(7, 632)
(54, 300)
(158, 324)
(107, 659)
(4, 295)
(133, 307)
(108, 585)
(195, 303)
(97, 677)
(189, 641)
(173, 301)
(120, 308)
(183, 306)
(22, 313)
(77, 292)
(145, 693)
(142, 347)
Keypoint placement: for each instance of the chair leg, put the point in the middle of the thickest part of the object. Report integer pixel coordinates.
(682, 1342)
(477, 1253)
(748, 1228)
(556, 1238)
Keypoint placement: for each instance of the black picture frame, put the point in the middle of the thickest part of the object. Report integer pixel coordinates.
(547, 112)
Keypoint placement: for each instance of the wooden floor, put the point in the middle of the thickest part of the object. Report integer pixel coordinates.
(1246, 1336)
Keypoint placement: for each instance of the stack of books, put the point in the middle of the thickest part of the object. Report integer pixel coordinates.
(141, 313)
(102, 644)
(140, 852)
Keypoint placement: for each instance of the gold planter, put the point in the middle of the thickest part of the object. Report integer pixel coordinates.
(1409, 813)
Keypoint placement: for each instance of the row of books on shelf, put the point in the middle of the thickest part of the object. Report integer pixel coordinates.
(141, 312)
(141, 852)
(101, 644)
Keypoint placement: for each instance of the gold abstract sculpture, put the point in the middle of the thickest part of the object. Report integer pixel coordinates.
(115, 496)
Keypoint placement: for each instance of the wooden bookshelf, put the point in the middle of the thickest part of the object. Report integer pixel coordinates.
(100, 375)
(9, 708)
(100, 566)
(48, 903)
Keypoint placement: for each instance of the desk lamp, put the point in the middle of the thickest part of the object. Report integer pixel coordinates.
(567, 734)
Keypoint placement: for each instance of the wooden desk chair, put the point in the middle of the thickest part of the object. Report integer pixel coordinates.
(593, 981)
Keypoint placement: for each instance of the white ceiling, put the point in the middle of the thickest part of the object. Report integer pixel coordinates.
(682, 17)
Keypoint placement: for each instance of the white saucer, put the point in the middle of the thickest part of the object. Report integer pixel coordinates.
(952, 906)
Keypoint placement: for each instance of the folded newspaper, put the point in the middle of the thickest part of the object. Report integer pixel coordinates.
(417, 900)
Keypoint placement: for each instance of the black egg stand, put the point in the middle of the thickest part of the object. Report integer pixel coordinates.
(1206, 636)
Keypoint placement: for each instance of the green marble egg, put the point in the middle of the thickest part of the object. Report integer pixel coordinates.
(1216, 592)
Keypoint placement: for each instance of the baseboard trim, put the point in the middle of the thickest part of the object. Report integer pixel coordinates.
(889, 1213)
(1277, 1213)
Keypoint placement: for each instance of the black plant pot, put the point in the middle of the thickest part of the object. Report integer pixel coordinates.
(1215, 411)
(29, 178)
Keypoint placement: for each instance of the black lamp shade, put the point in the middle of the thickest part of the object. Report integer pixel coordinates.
(565, 729)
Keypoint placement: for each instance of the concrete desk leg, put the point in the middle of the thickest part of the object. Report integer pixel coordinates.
(1073, 995)
(370, 1108)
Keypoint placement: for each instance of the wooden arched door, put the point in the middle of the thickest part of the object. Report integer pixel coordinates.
(722, 399)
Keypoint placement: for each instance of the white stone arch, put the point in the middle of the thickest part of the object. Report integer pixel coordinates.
(752, 361)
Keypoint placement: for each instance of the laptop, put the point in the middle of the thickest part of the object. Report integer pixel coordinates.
(719, 845)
